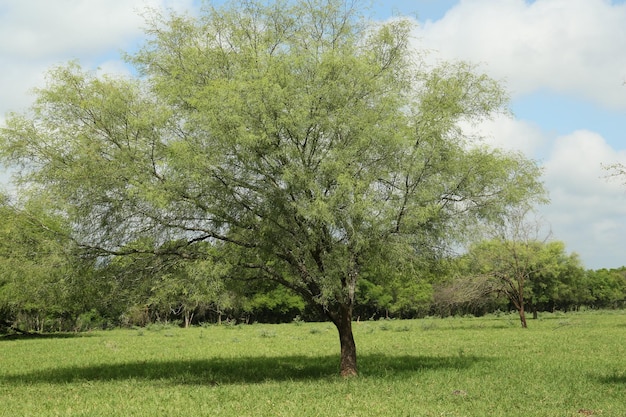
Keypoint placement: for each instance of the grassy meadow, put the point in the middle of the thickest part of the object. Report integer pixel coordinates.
(563, 365)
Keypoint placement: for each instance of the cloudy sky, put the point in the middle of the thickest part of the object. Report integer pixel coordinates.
(563, 62)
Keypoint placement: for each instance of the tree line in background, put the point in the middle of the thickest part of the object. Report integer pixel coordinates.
(47, 283)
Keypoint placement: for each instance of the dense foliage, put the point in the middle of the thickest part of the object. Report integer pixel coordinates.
(40, 269)
(48, 284)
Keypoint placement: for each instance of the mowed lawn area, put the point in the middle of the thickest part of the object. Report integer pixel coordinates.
(565, 365)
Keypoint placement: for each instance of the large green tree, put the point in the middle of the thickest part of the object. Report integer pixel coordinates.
(305, 138)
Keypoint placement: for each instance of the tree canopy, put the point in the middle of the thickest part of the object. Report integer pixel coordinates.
(308, 141)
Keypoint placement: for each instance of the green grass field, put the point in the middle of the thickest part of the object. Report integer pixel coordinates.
(563, 365)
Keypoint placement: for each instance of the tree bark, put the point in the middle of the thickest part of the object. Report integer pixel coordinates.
(188, 318)
(343, 322)
(522, 316)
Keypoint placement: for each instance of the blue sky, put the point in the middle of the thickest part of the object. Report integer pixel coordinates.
(420, 9)
(563, 62)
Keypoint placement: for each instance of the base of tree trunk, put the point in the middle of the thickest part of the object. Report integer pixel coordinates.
(522, 317)
(343, 321)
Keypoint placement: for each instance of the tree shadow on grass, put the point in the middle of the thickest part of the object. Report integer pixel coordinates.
(617, 378)
(250, 370)
(37, 336)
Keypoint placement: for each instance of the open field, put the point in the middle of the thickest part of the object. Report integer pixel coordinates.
(563, 365)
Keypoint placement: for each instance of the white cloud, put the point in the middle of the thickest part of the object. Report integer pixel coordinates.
(587, 211)
(17, 80)
(114, 67)
(38, 34)
(510, 134)
(567, 46)
(576, 163)
(574, 48)
(39, 29)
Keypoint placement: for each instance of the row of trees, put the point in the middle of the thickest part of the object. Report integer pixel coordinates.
(49, 283)
(278, 156)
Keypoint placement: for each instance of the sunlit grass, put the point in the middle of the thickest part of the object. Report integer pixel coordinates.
(563, 365)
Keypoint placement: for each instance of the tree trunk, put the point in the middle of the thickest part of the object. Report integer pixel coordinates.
(188, 317)
(343, 322)
(518, 301)
(522, 316)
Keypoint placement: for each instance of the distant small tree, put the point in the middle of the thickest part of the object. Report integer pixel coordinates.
(516, 264)
(607, 287)
(395, 282)
(557, 276)
(174, 284)
(466, 293)
(186, 288)
(573, 288)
